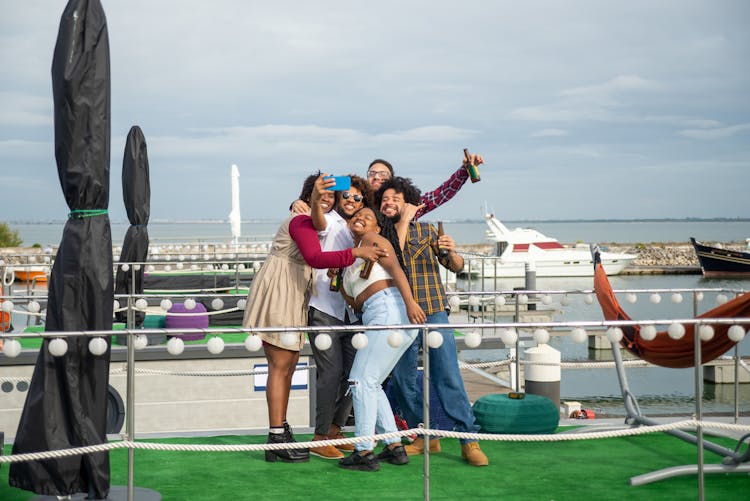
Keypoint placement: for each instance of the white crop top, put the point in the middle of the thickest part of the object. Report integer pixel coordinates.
(354, 285)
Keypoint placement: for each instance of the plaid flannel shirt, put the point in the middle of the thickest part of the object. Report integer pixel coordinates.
(422, 267)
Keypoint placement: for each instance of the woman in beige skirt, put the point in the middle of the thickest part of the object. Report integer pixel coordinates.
(278, 298)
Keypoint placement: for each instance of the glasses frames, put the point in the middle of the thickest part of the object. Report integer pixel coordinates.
(357, 198)
(380, 174)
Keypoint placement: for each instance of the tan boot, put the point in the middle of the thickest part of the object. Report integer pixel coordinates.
(342, 447)
(334, 432)
(325, 451)
(417, 447)
(473, 454)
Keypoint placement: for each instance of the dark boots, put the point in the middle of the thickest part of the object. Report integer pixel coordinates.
(286, 455)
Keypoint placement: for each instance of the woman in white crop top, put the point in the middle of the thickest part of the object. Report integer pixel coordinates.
(383, 298)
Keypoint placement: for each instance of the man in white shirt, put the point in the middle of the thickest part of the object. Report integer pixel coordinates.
(327, 307)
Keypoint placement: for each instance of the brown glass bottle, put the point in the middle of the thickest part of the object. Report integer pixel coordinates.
(366, 269)
(440, 252)
(336, 278)
(472, 169)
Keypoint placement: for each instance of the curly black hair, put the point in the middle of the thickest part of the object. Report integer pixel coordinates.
(403, 185)
(307, 187)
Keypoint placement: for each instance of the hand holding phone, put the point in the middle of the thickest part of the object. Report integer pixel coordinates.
(342, 183)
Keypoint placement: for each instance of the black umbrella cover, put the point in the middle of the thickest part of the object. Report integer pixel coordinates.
(136, 193)
(66, 403)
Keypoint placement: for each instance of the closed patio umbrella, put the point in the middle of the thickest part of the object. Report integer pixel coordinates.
(136, 193)
(66, 403)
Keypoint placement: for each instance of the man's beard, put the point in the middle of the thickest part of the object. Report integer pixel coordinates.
(340, 211)
(395, 218)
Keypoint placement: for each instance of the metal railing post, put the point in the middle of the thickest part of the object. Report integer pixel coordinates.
(426, 409)
(698, 406)
(130, 396)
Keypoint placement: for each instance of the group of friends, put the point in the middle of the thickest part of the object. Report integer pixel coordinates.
(366, 240)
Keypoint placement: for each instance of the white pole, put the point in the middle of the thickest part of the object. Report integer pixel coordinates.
(235, 220)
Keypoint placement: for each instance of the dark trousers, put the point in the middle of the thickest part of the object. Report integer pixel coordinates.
(332, 402)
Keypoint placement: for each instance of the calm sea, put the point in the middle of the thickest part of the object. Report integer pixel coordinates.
(463, 232)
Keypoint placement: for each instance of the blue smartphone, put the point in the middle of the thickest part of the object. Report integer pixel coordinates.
(343, 183)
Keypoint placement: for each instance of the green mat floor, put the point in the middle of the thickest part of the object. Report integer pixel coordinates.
(578, 470)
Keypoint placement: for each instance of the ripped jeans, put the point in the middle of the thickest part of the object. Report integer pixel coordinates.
(373, 363)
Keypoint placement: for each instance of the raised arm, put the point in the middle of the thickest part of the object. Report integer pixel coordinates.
(437, 197)
(402, 226)
(317, 212)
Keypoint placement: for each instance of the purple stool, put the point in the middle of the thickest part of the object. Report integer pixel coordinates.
(191, 322)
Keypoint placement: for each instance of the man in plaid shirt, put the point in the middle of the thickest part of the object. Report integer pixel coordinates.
(423, 252)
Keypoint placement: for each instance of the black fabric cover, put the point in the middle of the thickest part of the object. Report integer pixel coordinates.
(196, 283)
(66, 405)
(136, 193)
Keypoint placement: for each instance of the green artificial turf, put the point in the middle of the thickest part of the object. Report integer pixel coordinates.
(229, 338)
(587, 469)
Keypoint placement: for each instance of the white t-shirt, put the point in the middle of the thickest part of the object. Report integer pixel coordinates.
(336, 236)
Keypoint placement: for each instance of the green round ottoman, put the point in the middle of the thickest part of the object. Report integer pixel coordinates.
(496, 413)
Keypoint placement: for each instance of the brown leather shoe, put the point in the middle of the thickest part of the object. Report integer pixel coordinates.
(417, 447)
(326, 452)
(342, 447)
(473, 454)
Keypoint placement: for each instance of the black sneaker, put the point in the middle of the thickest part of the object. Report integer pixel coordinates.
(356, 461)
(396, 455)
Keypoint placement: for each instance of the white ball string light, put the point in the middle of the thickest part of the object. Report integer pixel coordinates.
(253, 342)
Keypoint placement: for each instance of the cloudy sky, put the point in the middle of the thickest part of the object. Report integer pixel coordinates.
(582, 109)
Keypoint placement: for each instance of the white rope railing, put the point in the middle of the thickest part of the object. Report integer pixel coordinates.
(560, 437)
(462, 365)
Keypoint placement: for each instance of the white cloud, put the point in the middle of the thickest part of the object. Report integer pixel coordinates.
(618, 85)
(608, 101)
(549, 133)
(716, 132)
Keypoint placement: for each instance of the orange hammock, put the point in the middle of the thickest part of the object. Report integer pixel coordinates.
(663, 350)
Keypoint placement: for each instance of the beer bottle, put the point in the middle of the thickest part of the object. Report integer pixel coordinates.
(440, 252)
(336, 278)
(472, 169)
(367, 267)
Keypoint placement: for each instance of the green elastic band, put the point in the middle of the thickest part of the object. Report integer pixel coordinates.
(81, 213)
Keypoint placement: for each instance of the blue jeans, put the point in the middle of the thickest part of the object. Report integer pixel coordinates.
(444, 376)
(373, 363)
